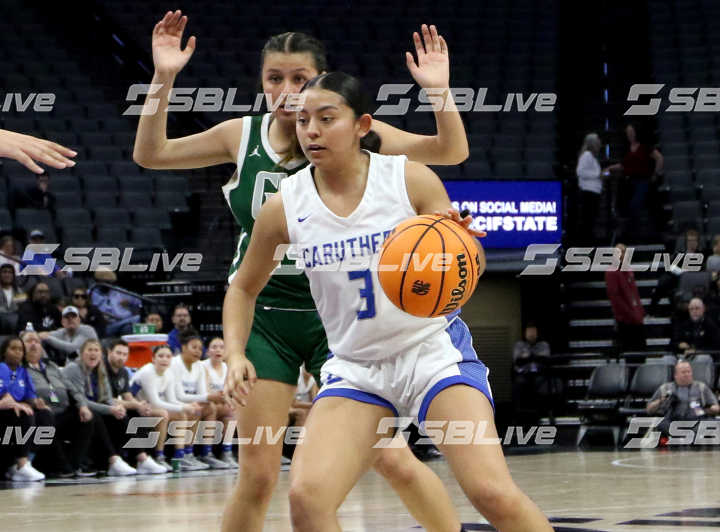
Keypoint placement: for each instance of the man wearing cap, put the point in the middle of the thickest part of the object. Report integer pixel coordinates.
(37, 236)
(73, 334)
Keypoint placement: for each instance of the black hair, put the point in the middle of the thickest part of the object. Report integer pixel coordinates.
(6, 344)
(351, 90)
(159, 347)
(114, 342)
(189, 335)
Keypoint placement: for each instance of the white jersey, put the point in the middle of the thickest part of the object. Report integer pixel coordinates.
(339, 255)
(190, 385)
(216, 381)
(158, 390)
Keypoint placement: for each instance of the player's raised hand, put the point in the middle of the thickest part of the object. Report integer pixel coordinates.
(454, 215)
(168, 56)
(240, 380)
(433, 62)
(26, 150)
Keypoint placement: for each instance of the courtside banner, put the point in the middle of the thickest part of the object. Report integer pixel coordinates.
(513, 213)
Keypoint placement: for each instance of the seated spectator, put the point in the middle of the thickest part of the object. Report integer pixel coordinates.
(713, 261)
(119, 379)
(191, 388)
(9, 253)
(532, 383)
(182, 321)
(155, 383)
(88, 375)
(691, 243)
(39, 311)
(69, 413)
(37, 196)
(10, 299)
(37, 236)
(529, 354)
(684, 399)
(155, 319)
(17, 402)
(89, 313)
(696, 333)
(71, 336)
(216, 371)
(121, 310)
(622, 291)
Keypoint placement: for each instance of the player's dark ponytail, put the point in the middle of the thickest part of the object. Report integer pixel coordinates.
(351, 90)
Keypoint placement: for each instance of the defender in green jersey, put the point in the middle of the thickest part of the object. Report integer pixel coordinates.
(286, 330)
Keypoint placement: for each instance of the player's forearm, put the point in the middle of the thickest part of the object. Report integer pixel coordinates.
(151, 135)
(238, 315)
(450, 142)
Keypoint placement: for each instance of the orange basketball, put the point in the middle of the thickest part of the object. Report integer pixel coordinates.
(429, 266)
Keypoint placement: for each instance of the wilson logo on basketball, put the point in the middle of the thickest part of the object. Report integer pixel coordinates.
(421, 288)
(458, 293)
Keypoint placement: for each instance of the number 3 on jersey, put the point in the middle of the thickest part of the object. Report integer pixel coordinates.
(259, 194)
(366, 292)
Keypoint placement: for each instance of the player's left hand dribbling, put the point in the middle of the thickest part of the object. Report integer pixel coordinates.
(454, 215)
(240, 380)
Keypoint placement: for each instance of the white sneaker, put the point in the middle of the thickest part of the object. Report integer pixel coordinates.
(229, 459)
(27, 473)
(189, 465)
(213, 463)
(150, 467)
(194, 460)
(160, 460)
(120, 468)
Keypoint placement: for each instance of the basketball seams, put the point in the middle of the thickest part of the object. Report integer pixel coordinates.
(417, 243)
(462, 241)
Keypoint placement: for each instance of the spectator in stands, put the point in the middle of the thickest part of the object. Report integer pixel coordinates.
(589, 174)
(37, 236)
(670, 279)
(73, 334)
(119, 379)
(641, 166)
(17, 400)
(155, 383)
(120, 309)
(69, 413)
(191, 388)
(181, 320)
(154, 318)
(216, 371)
(8, 253)
(696, 333)
(89, 313)
(531, 380)
(713, 262)
(88, 375)
(39, 310)
(10, 299)
(622, 291)
(684, 399)
(26, 149)
(37, 196)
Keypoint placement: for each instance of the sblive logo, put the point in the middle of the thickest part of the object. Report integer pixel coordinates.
(682, 99)
(606, 259)
(692, 432)
(43, 102)
(465, 99)
(39, 261)
(207, 99)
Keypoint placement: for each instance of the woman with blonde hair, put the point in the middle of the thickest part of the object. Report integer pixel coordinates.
(590, 176)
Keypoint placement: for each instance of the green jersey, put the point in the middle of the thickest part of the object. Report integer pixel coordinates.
(258, 177)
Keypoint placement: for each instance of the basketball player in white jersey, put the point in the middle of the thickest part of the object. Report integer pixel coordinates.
(215, 372)
(384, 362)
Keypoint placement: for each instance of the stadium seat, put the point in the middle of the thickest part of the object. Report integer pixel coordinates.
(111, 236)
(600, 410)
(703, 369)
(146, 237)
(134, 200)
(112, 216)
(152, 218)
(171, 199)
(65, 217)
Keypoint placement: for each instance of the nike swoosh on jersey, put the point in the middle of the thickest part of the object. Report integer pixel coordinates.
(301, 220)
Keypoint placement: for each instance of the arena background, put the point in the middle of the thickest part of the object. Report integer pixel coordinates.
(89, 53)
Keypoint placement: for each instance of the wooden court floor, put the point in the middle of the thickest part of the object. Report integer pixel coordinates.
(655, 491)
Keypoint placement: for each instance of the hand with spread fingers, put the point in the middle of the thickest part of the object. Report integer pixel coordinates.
(432, 69)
